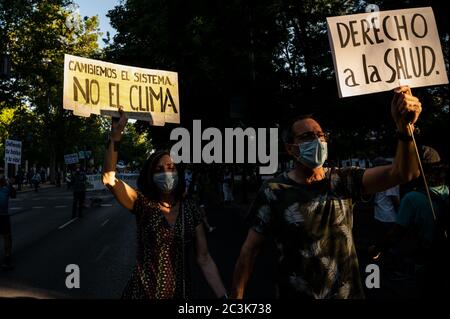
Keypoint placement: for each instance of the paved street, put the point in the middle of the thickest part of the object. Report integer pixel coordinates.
(46, 240)
(102, 244)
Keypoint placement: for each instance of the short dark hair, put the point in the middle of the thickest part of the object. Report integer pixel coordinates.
(287, 134)
(145, 183)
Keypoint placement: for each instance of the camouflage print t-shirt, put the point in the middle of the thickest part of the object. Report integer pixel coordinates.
(312, 229)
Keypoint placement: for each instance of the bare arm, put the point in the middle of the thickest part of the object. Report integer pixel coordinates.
(246, 260)
(123, 193)
(207, 264)
(405, 110)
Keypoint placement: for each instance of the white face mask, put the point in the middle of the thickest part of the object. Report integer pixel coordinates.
(166, 181)
(313, 154)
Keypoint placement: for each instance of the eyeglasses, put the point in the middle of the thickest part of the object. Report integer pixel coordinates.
(310, 136)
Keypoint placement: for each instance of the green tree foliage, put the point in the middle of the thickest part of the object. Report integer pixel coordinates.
(38, 34)
(135, 147)
(271, 55)
(274, 54)
(221, 50)
(20, 123)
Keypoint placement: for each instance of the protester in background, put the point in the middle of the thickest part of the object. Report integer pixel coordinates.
(69, 181)
(432, 249)
(36, 180)
(6, 192)
(79, 183)
(308, 211)
(19, 178)
(167, 224)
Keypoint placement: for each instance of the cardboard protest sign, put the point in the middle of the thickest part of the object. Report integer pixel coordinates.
(13, 152)
(71, 158)
(97, 87)
(379, 51)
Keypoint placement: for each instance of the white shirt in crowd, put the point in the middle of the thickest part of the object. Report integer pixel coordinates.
(384, 209)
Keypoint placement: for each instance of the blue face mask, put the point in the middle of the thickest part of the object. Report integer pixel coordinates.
(313, 154)
(166, 181)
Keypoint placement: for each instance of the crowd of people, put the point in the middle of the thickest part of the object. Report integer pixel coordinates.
(306, 209)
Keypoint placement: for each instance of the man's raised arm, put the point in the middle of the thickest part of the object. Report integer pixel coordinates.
(405, 110)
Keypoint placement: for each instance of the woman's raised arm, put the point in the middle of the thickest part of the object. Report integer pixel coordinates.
(124, 193)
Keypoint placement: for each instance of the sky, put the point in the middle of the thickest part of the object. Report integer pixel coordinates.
(98, 7)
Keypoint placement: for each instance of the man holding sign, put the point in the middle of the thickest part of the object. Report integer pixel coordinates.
(308, 211)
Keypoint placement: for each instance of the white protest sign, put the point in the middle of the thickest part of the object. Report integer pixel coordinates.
(71, 158)
(97, 87)
(379, 51)
(94, 181)
(13, 152)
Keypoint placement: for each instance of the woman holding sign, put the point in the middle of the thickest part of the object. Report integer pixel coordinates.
(167, 226)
